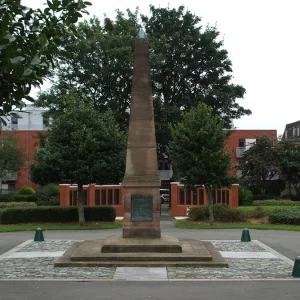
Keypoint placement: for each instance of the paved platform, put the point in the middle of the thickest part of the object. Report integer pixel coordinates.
(247, 261)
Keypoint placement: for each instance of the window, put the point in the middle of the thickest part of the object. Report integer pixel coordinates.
(294, 131)
(45, 121)
(14, 119)
(116, 196)
(181, 196)
(110, 200)
(97, 197)
(242, 143)
(103, 197)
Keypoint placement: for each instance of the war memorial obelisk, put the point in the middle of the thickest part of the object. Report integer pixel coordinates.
(141, 182)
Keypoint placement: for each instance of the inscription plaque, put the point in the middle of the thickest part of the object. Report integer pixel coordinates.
(141, 208)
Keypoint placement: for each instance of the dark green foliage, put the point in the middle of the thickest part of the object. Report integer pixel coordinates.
(260, 159)
(48, 195)
(245, 196)
(189, 65)
(11, 153)
(222, 213)
(29, 42)
(26, 190)
(24, 198)
(6, 197)
(257, 213)
(285, 216)
(56, 214)
(275, 203)
(198, 213)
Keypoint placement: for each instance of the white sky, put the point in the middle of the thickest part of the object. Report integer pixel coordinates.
(263, 41)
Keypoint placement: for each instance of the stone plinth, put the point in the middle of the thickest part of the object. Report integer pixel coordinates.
(195, 253)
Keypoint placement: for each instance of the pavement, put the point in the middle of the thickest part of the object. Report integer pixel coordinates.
(261, 268)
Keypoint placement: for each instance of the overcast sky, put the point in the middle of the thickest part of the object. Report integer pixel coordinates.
(263, 41)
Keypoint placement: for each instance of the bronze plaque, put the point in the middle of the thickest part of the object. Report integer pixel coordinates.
(141, 207)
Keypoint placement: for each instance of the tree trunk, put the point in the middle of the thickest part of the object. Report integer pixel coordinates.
(80, 205)
(210, 205)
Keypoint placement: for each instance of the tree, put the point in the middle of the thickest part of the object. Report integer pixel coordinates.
(11, 156)
(188, 66)
(29, 43)
(198, 153)
(83, 147)
(289, 163)
(260, 163)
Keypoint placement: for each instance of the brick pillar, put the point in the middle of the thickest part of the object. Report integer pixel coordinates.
(64, 194)
(205, 200)
(91, 195)
(234, 200)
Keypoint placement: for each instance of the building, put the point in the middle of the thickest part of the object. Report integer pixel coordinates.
(292, 130)
(27, 125)
(239, 141)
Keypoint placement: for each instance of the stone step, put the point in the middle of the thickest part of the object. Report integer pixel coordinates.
(101, 257)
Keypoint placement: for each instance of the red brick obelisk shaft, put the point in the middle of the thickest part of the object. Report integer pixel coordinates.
(141, 175)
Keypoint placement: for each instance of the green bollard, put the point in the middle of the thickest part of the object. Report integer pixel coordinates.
(245, 236)
(296, 269)
(39, 237)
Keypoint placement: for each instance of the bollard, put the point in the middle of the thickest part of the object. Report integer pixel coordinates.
(296, 269)
(245, 236)
(39, 237)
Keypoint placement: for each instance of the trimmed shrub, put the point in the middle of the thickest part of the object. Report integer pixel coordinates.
(275, 203)
(48, 195)
(26, 190)
(285, 216)
(222, 213)
(24, 198)
(6, 197)
(56, 214)
(198, 213)
(257, 213)
(16, 204)
(225, 213)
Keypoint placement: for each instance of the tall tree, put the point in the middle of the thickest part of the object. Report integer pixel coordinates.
(260, 163)
(83, 146)
(197, 151)
(29, 42)
(289, 163)
(189, 65)
(12, 156)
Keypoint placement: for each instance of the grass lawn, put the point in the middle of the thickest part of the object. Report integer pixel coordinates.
(59, 226)
(184, 224)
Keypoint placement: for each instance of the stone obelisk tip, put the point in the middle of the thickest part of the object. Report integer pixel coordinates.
(141, 34)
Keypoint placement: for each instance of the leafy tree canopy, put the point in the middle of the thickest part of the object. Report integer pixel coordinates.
(198, 153)
(189, 65)
(260, 162)
(11, 155)
(83, 146)
(29, 42)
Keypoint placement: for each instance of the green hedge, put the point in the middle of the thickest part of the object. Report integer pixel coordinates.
(275, 203)
(16, 204)
(24, 198)
(222, 213)
(285, 216)
(56, 214)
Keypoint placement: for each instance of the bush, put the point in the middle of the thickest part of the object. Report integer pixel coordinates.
(245, 196)
(222, 213)
(198, 213)
(56, 214)
(48, 195)
(26, 190)
(24, 198)
(16, 204)
(225, 213)
(6, 197)
(276, 203)
(257, 213)
(285, 216)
